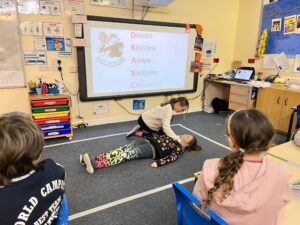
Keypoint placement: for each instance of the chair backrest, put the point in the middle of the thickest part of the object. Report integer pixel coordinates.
(190, 211)
(298, 117)
(63, 215)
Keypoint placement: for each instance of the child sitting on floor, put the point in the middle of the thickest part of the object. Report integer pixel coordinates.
(30, 190)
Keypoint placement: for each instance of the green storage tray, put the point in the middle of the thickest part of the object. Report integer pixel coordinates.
(57, 108)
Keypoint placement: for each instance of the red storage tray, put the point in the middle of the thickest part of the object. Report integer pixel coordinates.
(52, 120)
(47, 102)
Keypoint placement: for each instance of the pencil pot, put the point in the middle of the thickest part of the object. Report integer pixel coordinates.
(38, 91)
(52, 91)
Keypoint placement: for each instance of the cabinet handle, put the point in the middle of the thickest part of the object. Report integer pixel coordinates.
(286, 101)
(278, 100)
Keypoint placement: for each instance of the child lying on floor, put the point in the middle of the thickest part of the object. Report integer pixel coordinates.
(162, 149)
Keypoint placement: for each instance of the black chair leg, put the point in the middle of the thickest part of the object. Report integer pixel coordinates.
(288, 138)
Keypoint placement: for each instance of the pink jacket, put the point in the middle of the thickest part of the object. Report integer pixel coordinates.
(260, 190)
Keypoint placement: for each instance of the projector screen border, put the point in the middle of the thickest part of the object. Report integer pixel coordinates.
(83, 92)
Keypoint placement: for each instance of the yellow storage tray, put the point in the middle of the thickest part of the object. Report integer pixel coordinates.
(50, 115)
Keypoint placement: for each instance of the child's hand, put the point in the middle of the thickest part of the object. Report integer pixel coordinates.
(153, 165)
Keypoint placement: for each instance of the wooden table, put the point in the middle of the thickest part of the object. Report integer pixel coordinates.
(288, 151)
(289, 214)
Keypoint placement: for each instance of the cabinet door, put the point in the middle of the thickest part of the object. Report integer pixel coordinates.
(269, 101)
(290, 99)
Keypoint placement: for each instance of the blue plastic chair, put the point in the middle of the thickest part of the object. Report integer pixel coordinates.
(190, 211)
(298, 117)
(63, 215)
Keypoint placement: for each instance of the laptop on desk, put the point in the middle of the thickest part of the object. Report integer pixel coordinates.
(243, 74)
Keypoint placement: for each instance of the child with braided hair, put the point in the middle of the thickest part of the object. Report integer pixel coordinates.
(162, 149)
(243, 187)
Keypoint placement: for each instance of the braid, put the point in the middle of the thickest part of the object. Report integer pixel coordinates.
(230, 164)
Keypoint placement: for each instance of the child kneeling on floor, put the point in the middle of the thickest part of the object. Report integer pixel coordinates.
(162, 149)
(244, 187)
(31, 190)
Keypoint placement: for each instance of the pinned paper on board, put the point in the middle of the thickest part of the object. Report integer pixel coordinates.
(268, 62)
(281, 61)
(289, 24)
(297, 64)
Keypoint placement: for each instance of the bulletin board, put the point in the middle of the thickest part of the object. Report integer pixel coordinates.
(274, 19)
(11, 65)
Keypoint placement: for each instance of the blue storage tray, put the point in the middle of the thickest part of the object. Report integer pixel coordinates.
(57, 132)
(55, 126)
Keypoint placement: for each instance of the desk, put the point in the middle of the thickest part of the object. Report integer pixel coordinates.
(289, 214)
(288, 151)
(238, 95)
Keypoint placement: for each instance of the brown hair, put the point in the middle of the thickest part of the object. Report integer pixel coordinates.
(21, 142)
(193, 145)
(182, 100)
(252, 132)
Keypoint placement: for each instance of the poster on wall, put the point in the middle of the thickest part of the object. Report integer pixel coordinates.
(279, 23)
(298, 24)
(39, 43)
(289, 24)
(276, 25)
(138, 104)
(35, 57)
(68, 49)
(55, 44)
(53, 29)
(209, 48)
(31, 28)
(73, 7)
(51, 8)
(28, 6)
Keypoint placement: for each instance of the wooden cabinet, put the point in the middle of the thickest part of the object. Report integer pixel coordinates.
(242, 96)
(52, 114)
(276, 103)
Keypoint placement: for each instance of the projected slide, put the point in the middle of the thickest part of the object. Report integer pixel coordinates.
(129, 60)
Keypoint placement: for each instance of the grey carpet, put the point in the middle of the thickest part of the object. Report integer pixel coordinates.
(85, 191)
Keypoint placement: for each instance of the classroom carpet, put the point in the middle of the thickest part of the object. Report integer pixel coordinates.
(85, 191)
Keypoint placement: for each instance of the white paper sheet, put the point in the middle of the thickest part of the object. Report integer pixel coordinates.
(297, 64)
(268, 62)
(281, 61)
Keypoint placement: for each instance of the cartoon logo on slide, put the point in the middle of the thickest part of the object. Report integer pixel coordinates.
(110, 50)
